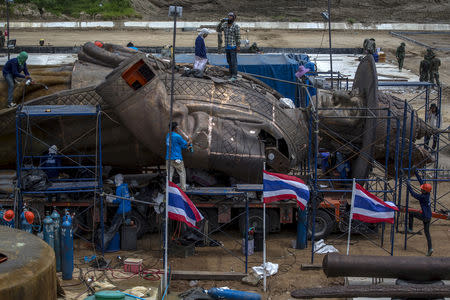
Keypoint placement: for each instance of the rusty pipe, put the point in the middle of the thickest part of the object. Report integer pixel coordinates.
(404, 267)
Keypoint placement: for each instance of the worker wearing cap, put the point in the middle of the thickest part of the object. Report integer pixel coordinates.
(200, 58)
(176, 156)
(400, 54)
(425, 215)
(12, 70)
(232, 35)
(8, 218)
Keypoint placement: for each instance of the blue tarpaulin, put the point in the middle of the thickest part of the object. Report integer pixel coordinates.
(279, 66)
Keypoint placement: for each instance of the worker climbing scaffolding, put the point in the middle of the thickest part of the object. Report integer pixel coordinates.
(425, 215)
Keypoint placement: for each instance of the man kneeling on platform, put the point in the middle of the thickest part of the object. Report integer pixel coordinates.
(123, 210)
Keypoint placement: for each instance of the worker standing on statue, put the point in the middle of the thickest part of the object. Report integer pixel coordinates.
(425, 215)
(200, 58)
(12, 70)
(176, 157)
(232, 35)
(400, 54)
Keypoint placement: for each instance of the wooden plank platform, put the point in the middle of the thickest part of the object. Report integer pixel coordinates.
(206, 275)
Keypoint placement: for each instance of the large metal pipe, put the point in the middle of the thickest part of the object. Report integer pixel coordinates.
(404, 267)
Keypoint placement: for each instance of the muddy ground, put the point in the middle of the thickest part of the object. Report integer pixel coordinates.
(289, 277)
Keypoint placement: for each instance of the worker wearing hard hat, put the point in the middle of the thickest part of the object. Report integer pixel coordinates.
(425, 215)
(7, 219)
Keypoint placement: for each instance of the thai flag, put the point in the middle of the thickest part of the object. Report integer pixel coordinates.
(278, 187)
(371, 209)
(181, 208)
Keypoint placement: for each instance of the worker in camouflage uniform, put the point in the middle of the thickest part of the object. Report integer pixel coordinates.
(400, 54)
(429, 55)
(434, 70)
(369, 46)
(424, 70)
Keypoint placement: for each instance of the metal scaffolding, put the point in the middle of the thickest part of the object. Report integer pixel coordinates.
(29, 156)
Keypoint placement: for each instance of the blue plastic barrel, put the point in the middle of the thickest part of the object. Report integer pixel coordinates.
(114, 245)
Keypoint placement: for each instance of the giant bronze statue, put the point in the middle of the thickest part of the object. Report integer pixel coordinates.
(234, 127)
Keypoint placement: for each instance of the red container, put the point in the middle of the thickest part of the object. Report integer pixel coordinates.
(133, 265)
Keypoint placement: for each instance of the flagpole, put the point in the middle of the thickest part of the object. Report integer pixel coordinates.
(351, 216)
(264, 238)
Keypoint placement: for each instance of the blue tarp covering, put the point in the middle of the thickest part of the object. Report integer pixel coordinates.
(279, 66)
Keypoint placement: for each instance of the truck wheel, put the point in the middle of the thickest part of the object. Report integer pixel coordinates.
(255, 219)
(323, 227)
(140, 223)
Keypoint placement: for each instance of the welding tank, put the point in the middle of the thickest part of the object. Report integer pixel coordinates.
(57, 225)
(221, 293)
(49, 231)
(66, 247)
(24, 225)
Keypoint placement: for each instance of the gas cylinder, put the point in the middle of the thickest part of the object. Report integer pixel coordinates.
(221, 293)
(49, 231)
(57, 225)
(24, 225)
(66, 247)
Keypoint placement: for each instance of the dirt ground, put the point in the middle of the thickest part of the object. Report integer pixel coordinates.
(290, 276)
(364, 11)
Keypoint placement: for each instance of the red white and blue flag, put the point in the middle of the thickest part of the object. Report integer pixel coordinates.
(371, 209)
(277, 187)
(181, 208)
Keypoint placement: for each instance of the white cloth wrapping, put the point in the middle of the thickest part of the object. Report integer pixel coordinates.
(200, 63)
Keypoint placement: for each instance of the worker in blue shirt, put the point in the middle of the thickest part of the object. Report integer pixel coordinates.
(131, 46)
(122, 211)
(51, 161)
(13, 69)
(7, 218)
(425, 215)
(200, 58)
(176, 157)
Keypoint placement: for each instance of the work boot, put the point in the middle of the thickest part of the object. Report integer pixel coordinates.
(430, 252)
(233, 79)
(410, 231)
(10, 105)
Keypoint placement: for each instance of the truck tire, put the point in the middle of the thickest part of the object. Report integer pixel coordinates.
(255, 219)
(139, 221)
(323, 227)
